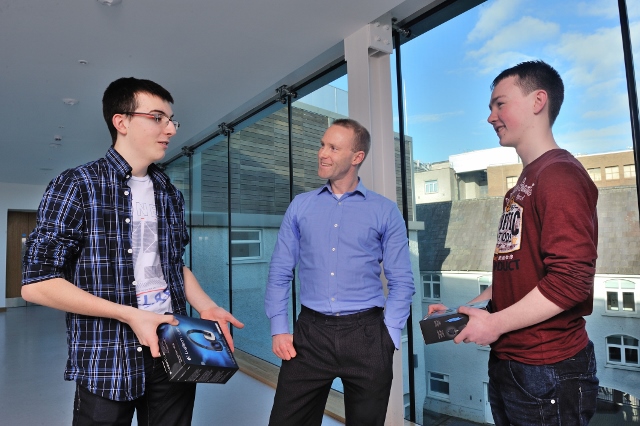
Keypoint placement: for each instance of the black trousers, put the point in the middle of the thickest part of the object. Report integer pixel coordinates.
(163, 402)
(357, 348)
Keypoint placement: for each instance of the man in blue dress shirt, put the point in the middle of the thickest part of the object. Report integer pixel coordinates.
(340, 236)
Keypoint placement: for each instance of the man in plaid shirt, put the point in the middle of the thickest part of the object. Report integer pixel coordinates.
(107, 249)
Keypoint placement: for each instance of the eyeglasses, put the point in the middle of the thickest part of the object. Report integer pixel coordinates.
(159, 117)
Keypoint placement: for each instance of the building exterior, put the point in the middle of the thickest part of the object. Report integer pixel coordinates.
(456, 251)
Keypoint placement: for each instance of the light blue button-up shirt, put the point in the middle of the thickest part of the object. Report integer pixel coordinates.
(338, 246)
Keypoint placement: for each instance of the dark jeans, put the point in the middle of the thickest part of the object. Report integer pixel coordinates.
(163, 402)
(563, 393)
(357, 348)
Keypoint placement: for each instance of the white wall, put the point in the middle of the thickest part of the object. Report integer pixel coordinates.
(13, 196)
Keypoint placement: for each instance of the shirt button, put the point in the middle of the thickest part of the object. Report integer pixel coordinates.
(135, 283)
(332, 274)
(139, 349)
(333, 249)
(127, 220)
(126, 192)
(130, 251)
(333, 299)
(127, 176)
(335, 225)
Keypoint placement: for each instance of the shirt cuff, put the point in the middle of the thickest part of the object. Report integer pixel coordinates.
(279, 324)
(396, 335)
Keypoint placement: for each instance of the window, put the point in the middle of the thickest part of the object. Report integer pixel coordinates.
(484, 283)
(629, 171)
(620, 295)
(431, 286)
(511, 181)
(246, 244)
(612, 172)
(439, 385)
(595, 174)
(622, 350)
(431, 187)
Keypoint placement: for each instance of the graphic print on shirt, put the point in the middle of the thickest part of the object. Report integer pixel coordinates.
(510, 229)
(151, 288)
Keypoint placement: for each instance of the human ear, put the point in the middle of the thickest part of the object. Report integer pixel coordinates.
(118, 121)
(539, 101)
(357, 158)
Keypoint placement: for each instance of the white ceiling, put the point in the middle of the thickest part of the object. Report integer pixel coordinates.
(217, 58)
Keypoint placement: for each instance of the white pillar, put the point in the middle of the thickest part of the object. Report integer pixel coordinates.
(370, 103)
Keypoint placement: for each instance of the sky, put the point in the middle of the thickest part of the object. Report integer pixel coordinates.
(447, 73)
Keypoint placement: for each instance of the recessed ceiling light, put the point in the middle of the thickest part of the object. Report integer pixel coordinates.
(57, 138)
(110, 2)
(83, 61)
(70, 101)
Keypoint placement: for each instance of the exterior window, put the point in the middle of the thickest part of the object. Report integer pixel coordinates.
(622, 350)
(612, 172)
(439, 385)
(620, 295)
(431, 187)
(431, 286)
(629, 171)
(246, 244)
(595, 174)
(511, 181)
(484, 283)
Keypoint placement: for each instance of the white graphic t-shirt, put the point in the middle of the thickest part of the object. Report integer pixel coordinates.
(151, 288)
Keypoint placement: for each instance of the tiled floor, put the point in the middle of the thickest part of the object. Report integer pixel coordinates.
(33, 353)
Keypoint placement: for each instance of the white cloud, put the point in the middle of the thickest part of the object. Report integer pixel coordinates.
(491, 18)
(595, 57)
(432, 118)
(590, 141)
(599, 8)
(505, 48)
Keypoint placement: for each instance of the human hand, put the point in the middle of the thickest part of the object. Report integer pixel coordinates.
(224, 318)
(282, 345)
(480, 329)
(145, 324)
(436, 307)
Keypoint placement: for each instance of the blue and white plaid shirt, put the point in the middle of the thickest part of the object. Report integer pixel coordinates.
(83, 234)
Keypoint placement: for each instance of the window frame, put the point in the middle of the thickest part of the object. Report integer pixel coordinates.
(431, 282)
(444, 378)
(624, 349)
(612, 173)
(595, 173)
(258, 241)
(620, 287)
(431, 183)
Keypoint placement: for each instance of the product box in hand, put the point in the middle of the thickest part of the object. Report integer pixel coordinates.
(445, 325)
(195, 351)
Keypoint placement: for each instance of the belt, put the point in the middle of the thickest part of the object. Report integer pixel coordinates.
(341, 319)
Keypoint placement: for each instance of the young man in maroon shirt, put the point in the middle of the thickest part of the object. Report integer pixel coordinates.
(542, 368)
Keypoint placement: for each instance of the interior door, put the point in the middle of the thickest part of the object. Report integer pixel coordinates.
(19, 226)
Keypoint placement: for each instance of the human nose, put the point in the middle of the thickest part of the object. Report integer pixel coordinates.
(492, 117)
(171, 128)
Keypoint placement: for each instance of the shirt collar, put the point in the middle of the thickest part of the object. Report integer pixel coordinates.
(359, 188)
(123, 169)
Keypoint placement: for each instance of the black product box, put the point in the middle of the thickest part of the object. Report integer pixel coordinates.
(445, 325)
(195, 351)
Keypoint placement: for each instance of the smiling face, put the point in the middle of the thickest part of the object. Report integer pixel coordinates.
(142, 140)
(510, 111)
(337, 160)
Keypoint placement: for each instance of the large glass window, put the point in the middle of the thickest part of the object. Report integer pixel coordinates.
(622, 350)
(447, 69)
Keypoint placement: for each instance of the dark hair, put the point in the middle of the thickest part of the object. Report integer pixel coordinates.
(120, 97)
(537, 75)
(361, 137)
